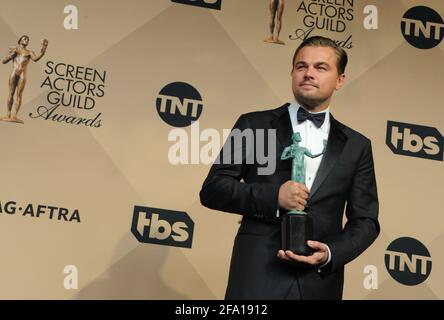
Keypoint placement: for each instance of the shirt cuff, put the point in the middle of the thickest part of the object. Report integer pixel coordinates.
(328, 259)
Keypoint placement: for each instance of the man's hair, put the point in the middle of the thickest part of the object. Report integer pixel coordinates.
(318, 41)
(20, 39)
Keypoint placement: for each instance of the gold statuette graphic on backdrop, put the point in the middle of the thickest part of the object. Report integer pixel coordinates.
(20, 56)
(276, 11)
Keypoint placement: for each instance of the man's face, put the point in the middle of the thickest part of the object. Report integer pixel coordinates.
(315, 76)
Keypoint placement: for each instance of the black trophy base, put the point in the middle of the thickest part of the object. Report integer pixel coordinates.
(296, 230)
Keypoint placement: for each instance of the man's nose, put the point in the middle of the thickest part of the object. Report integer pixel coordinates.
(309, 72)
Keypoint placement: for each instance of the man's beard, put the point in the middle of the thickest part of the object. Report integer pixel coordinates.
(310, 103)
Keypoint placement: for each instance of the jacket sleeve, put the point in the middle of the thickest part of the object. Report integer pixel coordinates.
(362, 227)
(223, 189)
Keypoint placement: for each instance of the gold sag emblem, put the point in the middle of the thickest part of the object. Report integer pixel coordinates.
(20, 56)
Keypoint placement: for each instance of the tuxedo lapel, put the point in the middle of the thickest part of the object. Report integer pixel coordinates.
(284, 129)
(335, 145)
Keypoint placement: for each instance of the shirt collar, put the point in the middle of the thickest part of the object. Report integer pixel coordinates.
(293, 110)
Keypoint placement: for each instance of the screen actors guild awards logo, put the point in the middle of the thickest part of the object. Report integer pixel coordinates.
(71, 87)
(20, 56)
(325, 16)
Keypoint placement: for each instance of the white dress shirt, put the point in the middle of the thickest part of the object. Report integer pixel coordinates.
(311, 138)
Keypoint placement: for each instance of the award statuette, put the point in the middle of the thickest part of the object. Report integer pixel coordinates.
(20, 55)
(297, 226)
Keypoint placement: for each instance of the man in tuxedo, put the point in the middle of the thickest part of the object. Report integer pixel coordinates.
(342, 178)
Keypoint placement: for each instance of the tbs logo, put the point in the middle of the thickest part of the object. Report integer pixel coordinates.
(160, 226)
(414, 140)
(210, 4)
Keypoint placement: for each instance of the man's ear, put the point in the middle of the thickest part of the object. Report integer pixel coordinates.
(340, 81)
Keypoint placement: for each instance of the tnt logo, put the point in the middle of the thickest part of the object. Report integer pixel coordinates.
(414, 140)
(160, 226)
(422, 27)
(408, 261)
(211, 4)
(179, 104)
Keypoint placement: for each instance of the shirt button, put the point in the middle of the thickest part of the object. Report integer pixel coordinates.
(309, 178)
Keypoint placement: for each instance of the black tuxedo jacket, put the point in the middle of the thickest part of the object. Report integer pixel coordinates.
(345, 179)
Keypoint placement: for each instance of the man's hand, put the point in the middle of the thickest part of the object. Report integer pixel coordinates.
(319, 256)
(293, 195)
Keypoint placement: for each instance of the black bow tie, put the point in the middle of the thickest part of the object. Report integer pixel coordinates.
(316, 118)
